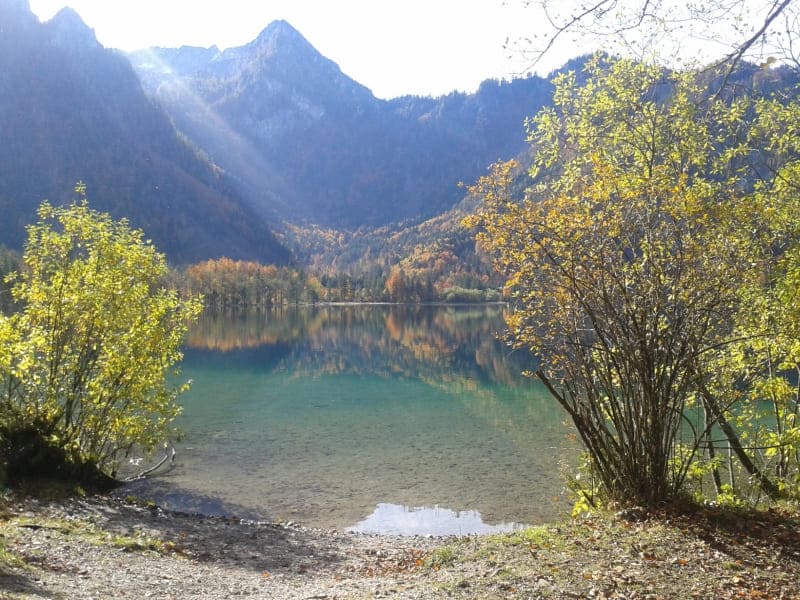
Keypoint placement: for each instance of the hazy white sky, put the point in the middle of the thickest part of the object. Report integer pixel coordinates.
(427, 47)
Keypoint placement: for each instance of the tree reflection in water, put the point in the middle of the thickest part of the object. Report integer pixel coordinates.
(321, 414)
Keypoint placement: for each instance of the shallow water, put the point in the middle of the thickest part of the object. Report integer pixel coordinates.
(376, 418)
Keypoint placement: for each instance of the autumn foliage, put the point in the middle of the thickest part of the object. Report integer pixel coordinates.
(226, 283)
(661, 217)
(84, 363)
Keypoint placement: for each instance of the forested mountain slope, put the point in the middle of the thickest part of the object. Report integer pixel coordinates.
(208, 151)
(315, 147)
(72, 110)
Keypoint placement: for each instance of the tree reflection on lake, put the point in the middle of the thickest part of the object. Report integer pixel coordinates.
(323, 414)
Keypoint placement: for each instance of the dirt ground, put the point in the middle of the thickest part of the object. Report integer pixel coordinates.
(101, 547)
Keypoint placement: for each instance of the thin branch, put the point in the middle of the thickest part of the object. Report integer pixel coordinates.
(571, 23)
(169, 455)
(734, 58)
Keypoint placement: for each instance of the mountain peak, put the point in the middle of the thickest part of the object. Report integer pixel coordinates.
(280, 28)
(69, 28)
(280, 35)
(68, 17)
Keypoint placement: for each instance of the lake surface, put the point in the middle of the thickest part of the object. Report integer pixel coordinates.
(385, 419)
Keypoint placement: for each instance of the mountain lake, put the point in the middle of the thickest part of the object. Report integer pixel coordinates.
(381, 419)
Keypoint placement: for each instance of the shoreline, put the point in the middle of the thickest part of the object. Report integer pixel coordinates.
(100, 547)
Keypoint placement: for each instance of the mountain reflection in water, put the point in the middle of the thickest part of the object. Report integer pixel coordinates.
(357, 338)
(319, 415)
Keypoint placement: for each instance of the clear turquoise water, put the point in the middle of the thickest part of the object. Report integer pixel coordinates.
(385, 419)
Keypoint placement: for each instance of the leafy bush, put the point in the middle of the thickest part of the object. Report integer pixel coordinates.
(84, 363)
(655, 276)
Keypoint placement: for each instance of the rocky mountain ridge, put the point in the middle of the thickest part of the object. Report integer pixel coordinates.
(211, 150)
(72, 110)
(313, 146)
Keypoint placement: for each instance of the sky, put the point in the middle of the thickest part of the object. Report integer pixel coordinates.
(393, 47)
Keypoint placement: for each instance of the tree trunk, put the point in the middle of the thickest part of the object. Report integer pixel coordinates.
(710, 404)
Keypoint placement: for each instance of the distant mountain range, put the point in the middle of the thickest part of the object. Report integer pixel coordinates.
(211, 152)
(309, 144)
